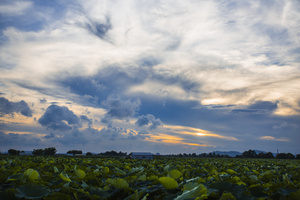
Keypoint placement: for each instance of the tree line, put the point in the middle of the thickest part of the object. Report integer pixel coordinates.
(246, 154)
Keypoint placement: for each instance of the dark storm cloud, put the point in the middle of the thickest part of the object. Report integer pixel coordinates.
(114, 80)
(75, 137)
(132, 135)
(110, 80)
(59, 118)
(148, 119)
(51, 135)
(86, 119)
(7, 107)
(112, 133)
(18, 140)
(43, 100)
(99, 29)
(259, 107)
(121, 109)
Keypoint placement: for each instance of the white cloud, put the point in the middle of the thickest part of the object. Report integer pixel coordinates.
(15, 8)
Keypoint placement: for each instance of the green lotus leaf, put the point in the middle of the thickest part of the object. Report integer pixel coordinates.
(230, 171)
(64, 176)
(80, 173)
(98, 192)
(168, 182)
(58, 195)
(32, 174)
(189, 186)
(15, 177)
(118, 183)
(31, 191)
(199, 191)
(175, 174)
(227, 196)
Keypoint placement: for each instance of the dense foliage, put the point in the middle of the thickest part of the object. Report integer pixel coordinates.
(74, 152)
(54, 177)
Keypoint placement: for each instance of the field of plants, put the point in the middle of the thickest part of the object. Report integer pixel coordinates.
(54, 177)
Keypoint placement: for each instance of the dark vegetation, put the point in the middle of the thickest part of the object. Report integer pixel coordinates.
(246, 154)
(46, 151)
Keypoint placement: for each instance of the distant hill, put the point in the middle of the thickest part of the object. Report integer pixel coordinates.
(234, 153)
(259, 151)
(228, 153)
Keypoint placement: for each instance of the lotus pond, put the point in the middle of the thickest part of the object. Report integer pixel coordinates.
(54, 177)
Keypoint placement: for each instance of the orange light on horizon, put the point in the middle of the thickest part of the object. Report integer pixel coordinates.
(197, 132)
(171, 139)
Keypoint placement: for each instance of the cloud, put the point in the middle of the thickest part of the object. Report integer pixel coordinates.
(259, 107)
(148, 119)
(274, 139)
(121, 109)
(18, 141)
(112, 133)
(49, 136)
(7, 107)
(99, 29)
(86, 119)
(282, 125)
(141, 135)
(43, 100)
(59, 118)
(14, 8)
(73, 138)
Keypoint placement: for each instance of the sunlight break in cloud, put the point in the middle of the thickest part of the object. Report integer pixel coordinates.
(274, 139)
(197, 132)
(169, 139)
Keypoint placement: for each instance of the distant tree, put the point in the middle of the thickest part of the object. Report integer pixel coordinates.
(249, 154)
(203, 155)
(89, 154)
(281, 156)
(13, 152)
(22, 151)
(290, 156)
(122, 153)
(74, 152)
(298, 156)
(38, 152)
(285, 156)
(113, 153)
(269, 155)
(50, 151)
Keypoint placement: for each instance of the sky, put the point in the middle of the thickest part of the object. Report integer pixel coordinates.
(156, 76)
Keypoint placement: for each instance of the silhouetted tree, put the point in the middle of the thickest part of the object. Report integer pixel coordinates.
(50, 151)
(89, 154)
(269, 155)
(74, 152)
(249, 154)
(290, 156)
(285, 156)
(38, 152)
(13, 152)
(298, 156)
